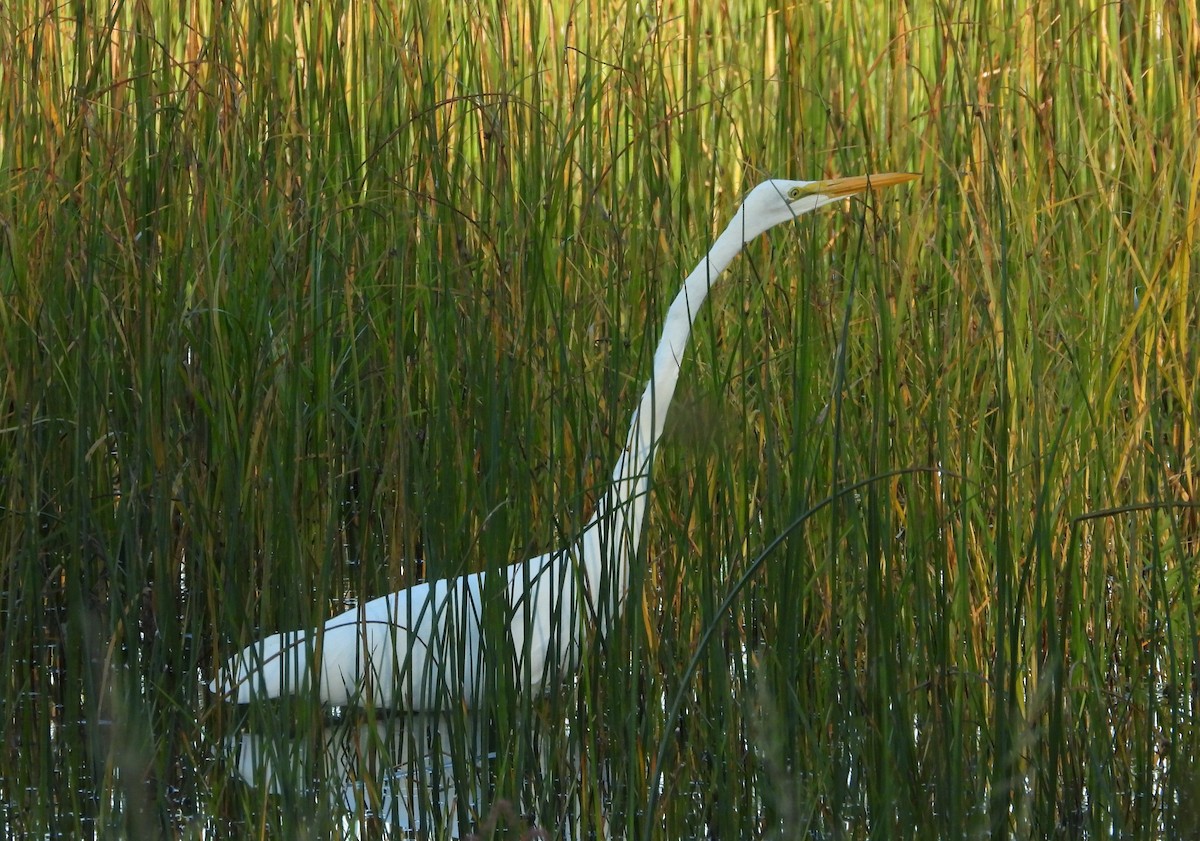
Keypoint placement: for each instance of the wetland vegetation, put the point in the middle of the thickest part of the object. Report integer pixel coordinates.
(301, 303)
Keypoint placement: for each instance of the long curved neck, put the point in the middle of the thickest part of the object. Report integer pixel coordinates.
(612, 536)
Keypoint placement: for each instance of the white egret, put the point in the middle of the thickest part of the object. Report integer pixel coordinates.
(421, 649)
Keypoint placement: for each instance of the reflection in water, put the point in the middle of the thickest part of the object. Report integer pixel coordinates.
(404, 771)
(416, 773)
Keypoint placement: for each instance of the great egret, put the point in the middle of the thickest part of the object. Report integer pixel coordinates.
(421, 649)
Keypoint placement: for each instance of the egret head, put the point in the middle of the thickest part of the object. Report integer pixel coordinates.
(776, 201)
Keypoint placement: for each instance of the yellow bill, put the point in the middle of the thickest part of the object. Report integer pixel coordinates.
(855, 184)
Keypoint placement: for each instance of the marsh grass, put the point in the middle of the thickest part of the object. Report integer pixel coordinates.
(302, 303)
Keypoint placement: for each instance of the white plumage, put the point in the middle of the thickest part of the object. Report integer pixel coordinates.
(422, 648)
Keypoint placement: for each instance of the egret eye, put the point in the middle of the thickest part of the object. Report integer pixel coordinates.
(795, 193)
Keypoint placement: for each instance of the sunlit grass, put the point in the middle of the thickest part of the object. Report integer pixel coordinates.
(300, 303)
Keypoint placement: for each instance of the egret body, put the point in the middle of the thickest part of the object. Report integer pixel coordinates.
(421, 648)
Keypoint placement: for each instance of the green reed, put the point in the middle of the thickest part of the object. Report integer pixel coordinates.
(302, 303)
